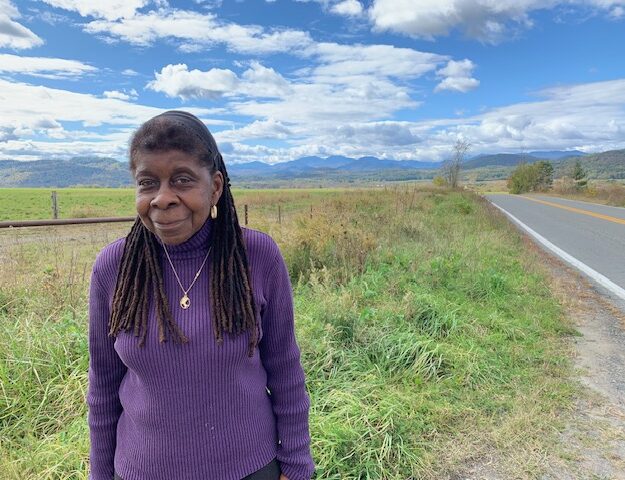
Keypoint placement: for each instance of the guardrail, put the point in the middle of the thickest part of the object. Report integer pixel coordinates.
(63, 221)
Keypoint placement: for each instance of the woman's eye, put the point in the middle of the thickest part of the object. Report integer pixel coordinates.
(182, 180)
(145, 182)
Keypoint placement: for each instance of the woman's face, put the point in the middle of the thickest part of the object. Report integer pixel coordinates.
(174, 193)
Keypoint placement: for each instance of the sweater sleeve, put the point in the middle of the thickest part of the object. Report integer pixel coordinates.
(106, 371)
(280, 355)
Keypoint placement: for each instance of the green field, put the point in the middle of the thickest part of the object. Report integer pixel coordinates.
(36, 203)
(428, 332)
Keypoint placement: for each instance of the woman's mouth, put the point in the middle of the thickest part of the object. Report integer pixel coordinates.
(167, 225)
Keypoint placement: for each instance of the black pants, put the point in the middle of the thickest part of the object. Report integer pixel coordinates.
(271, 471)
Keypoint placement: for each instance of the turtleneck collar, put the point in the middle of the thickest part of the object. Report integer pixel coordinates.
(196, 245)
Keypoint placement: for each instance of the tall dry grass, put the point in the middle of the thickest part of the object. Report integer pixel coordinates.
(608, 193)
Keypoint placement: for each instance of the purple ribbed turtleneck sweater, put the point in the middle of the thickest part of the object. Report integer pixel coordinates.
(197, 411)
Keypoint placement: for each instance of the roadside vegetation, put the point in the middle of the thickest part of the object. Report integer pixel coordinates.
(531, 177)
(608, 193)
(428, 332)
(538, 177)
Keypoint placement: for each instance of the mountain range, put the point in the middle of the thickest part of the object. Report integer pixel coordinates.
(106, 172)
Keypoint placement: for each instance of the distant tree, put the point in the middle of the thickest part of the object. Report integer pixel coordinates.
(451, 168)
(439, 181)
(579, 175)
(522, 179)
(537, 177)
(544, 175)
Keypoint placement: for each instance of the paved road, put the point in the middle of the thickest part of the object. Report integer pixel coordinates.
(593, 234)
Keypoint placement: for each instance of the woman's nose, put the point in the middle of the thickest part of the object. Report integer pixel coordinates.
(165, 197)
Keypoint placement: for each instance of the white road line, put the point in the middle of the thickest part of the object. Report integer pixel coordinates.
(596, 276)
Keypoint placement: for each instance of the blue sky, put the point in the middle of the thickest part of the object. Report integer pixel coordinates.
(278, 80)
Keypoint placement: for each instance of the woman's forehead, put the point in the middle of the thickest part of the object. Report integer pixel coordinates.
(167, 161)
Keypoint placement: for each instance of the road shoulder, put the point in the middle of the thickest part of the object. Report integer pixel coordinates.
(591, 440)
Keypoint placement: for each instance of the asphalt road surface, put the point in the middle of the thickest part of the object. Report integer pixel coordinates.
(593, 235)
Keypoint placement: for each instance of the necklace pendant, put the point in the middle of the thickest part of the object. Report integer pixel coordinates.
(185, 302)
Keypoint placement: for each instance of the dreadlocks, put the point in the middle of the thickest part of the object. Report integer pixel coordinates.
(140, 277)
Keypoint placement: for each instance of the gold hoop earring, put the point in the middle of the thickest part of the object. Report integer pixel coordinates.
(214, 212)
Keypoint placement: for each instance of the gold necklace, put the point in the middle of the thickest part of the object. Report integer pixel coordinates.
(185, 302)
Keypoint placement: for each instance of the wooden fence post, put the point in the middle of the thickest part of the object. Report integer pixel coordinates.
(55, 207)
(245, 214)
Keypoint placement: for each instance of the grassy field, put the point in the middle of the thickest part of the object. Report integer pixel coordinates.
(429, 335)
(36, 204)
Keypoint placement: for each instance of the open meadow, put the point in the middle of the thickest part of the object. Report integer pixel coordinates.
(429, 335)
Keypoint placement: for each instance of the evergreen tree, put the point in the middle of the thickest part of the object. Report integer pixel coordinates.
(579, 175)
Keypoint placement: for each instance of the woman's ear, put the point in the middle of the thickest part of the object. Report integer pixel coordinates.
(218, 187)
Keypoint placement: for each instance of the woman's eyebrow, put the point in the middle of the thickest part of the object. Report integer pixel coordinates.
(175, 171)
(142, 171)
(183, 170)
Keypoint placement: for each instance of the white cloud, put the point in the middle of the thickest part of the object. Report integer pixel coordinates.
(44, 66)
(7, 133)
(376, 134)
(372, 60)
(617, 12)
(350, 83)
(21, 102)
(261, 81)
(29, 109)
(110, 9)
(349, 8)
(13, 34)
(51, 18)
(457, 76)
(457, 84)
(482, 19)
(315, 104)
(462, 68)
(256, 81)
(487, 20)
(198, 31)
(269, 129)
(588, 117)
(179, 81)
(130, 95)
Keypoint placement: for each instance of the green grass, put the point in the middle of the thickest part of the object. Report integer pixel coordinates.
(36, 203)
(428, 333)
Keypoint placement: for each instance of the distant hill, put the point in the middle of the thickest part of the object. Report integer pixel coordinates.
(107, 172)
(500, 159)
(86, 171)
(608, 165)
(556, 154)
(317, 167)
(513, 159)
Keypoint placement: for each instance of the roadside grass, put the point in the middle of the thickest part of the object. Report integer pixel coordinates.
(428, 332)
(605, 192)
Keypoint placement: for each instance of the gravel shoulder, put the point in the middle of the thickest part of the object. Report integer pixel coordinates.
(593, 443)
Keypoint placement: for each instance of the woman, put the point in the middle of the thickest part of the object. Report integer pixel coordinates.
(194, 370)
